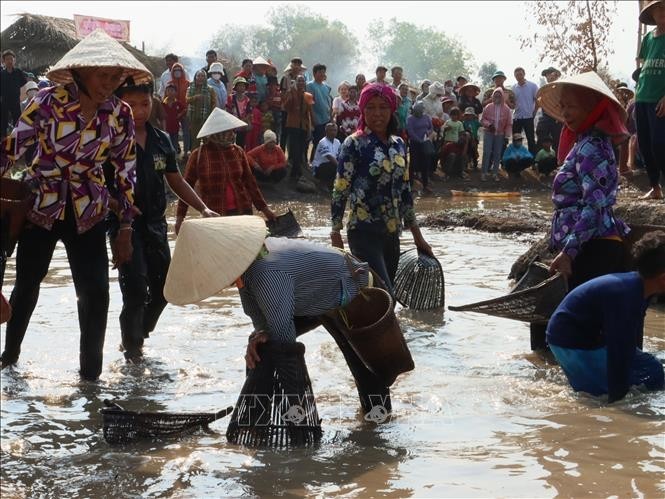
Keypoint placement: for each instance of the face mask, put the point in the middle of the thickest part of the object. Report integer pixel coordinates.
(217, 76)
(177, 74)
(449, 88)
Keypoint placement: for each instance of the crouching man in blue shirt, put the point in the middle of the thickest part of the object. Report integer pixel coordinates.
(596, 332)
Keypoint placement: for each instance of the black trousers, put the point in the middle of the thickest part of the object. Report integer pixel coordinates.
(273, 177)
(547, 165)
(142, 285)
(88, 262)
(379, 249)
(297, 141)
(526, 124)
(7, 109)
(326, 173)
(420, 162)
(515, 166)
(317, 134)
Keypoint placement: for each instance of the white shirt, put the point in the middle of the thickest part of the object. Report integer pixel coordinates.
(433, 107)
(325, 148)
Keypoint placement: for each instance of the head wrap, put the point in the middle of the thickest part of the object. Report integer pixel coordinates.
(604, 117)
(375, 90)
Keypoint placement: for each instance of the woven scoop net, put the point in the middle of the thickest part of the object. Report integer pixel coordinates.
(276, 407)
(121, 426)
(419, 281)
(533, 299)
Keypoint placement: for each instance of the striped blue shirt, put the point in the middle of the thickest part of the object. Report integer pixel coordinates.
(297, 278)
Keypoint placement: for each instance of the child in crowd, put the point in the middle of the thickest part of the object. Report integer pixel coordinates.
(517, 157)
(347, 119)
(471, 126)
(254, 133)
(325, 157)
(546, 158)
(267, 120)
(454, 145)
(497, 121)
(174, 111)
(275, 104)
(238, 105)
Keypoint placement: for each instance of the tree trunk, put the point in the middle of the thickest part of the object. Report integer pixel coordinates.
(593, 39)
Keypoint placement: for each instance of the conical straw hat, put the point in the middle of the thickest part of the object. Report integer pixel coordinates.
(646, 15)
(210, 254)
(549, 95)
(219, 121)
(98, 50)
(260, 61)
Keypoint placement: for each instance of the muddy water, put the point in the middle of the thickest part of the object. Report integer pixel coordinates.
(480, 415)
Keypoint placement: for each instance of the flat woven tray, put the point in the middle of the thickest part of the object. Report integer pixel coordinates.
(121, 426)
(533, 299)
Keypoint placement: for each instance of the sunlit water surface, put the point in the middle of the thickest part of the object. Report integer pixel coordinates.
(479, 416)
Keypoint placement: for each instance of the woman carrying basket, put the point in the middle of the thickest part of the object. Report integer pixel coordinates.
(77, 126)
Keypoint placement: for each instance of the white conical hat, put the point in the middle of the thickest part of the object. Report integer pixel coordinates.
(260, 61)
(549, 95)
(98, 50)
(210, 254)
(219, 121)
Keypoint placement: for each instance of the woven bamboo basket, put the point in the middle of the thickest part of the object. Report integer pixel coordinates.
(533, 299)
(419, 281)
(121, 426)
(276, 407)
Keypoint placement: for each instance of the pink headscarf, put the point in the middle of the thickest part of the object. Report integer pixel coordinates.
(373, 90)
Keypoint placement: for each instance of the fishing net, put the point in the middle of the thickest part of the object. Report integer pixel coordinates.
(419, 281)
(276, 407)
(533, 299)
(122, 426)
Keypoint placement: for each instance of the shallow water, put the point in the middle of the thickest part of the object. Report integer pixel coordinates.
(480, 415)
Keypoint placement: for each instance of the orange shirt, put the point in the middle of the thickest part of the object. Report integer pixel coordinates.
(267, 159)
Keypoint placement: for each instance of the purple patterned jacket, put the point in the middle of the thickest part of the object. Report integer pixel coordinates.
(584, 192)
(69, 159)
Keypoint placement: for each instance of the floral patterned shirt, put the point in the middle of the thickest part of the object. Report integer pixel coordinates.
(374, 178)
(584, 192)
(70, 155)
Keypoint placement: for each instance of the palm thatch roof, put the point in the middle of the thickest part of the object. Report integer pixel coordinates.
(41, 41)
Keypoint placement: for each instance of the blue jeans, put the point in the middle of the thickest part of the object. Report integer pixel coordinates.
(492, 145)
(586, 370)
(650, 133)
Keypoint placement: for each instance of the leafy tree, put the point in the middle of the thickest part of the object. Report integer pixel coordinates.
(423, 52)
(487, 69)
(576, 33)
(296, 31)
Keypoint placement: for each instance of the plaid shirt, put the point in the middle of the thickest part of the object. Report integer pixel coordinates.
(214, 167)
(70, 155)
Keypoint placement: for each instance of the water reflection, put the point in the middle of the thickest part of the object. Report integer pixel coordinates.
(479, 416)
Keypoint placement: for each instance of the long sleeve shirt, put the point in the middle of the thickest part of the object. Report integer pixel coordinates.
(583, 192)
(499, 116)
(297, 279)
(419, 128)
(223, 175)
(374, 178)
(604, 312)
(70, 155)
(263, 158)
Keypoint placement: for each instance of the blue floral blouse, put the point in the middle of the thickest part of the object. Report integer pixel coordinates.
(374, 178)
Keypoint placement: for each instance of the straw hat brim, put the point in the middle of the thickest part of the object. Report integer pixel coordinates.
(210, 254)
(98, 50)
(646, 16)
(470, 85)
(549, 95)
(219, 121)
(260, 61)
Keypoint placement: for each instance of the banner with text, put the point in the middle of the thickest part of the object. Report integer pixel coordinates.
(115, 28)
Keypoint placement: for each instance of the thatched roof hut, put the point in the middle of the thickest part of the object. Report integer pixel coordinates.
(41, 41)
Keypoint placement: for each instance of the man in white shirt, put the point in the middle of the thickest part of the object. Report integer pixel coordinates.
(324, 164)
(525, 108)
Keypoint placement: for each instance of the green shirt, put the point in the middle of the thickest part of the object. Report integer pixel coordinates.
(452, 134)
(651, 85)
(543, 154)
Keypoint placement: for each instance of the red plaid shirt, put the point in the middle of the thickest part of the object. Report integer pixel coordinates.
(214, 167)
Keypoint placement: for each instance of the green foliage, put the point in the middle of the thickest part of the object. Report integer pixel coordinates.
(423, 52)
(293, 31)
(487, 69)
